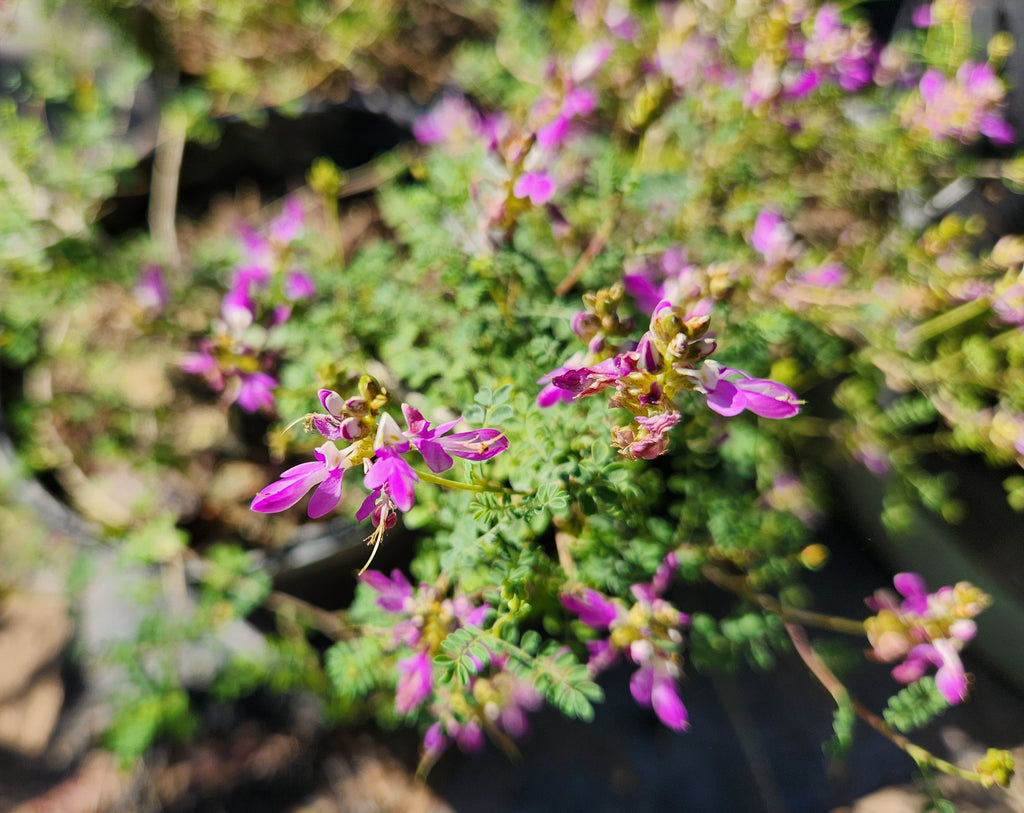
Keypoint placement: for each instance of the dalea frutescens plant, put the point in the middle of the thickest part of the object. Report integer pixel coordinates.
(602, 324)
(722, 187)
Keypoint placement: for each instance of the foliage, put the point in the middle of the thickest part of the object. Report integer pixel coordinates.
(745, 197)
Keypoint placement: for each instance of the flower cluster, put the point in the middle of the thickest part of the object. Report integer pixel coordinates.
(804, 48)
(671, 357)
(494, 700)
(925, 630)
(648, 633)
(965, 107)
(377, 443)
(260, 297)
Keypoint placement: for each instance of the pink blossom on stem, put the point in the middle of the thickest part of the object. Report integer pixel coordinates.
(325, 473)
(256, 392)
(647, 633)
(151, 291)
(730, 391)
(537, 186)
(925, 630)
(414, 682)
(437, 450)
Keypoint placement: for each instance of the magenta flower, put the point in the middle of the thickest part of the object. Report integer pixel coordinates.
(286, 226)
(592, 607)
(964, 107)
(415, 682)
(671, 277)
(730, 391)
(325, 473)
(204, 363)
(256, 392)
(657, 690)
(237, 308)
(922, 16)
(552, 394)
(151, 290)
(772, 238)
(298, 285)
(395, 594)
(437, 451)
(452, 120)
(537, 186)
(391, 474)
(648, 634)
(925, 630)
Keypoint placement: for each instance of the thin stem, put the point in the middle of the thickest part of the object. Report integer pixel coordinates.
(740, 586)
(493, 488)
(326, 622)
(946, 321)
(839, 693)
(163, 200)
(597, 242)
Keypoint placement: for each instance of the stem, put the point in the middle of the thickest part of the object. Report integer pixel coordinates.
(597, 242)
(839, 693)
(945, 321)
(739, 586)
(493, 488)
(163, 201)
(326, 622)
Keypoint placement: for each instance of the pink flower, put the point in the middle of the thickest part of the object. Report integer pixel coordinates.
(925, 630)
(657, 690)
(151, 290)
(414, 682)
(730, 391)
(437, 451)
(648, 633)
(256, 392)
(922, 16)
(772, 238)
(237, 308)
(537, 186)
(392, 474)
(395, 593)
(325, 473)
(593, 609)
(298, 285)
(286, 226)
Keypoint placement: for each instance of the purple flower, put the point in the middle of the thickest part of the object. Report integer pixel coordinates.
(925, 630)
(256, 392)
(553, 134)
(325, 473)
(395, 593)
(656, 689)
(590, 380)
(392, 474)
(204, 363)
(772, 238)
(151, 290)
(593, 609)
(285, 227)
(298, 285)
(437, 451)
(537, 186)
(650, 441)
(730, 391)
(237, 308)
(648, 633)
(453, 119)
(922, 16)
(414, 682)
(964, 107)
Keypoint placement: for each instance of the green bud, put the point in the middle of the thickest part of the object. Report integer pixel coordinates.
(325, 177)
